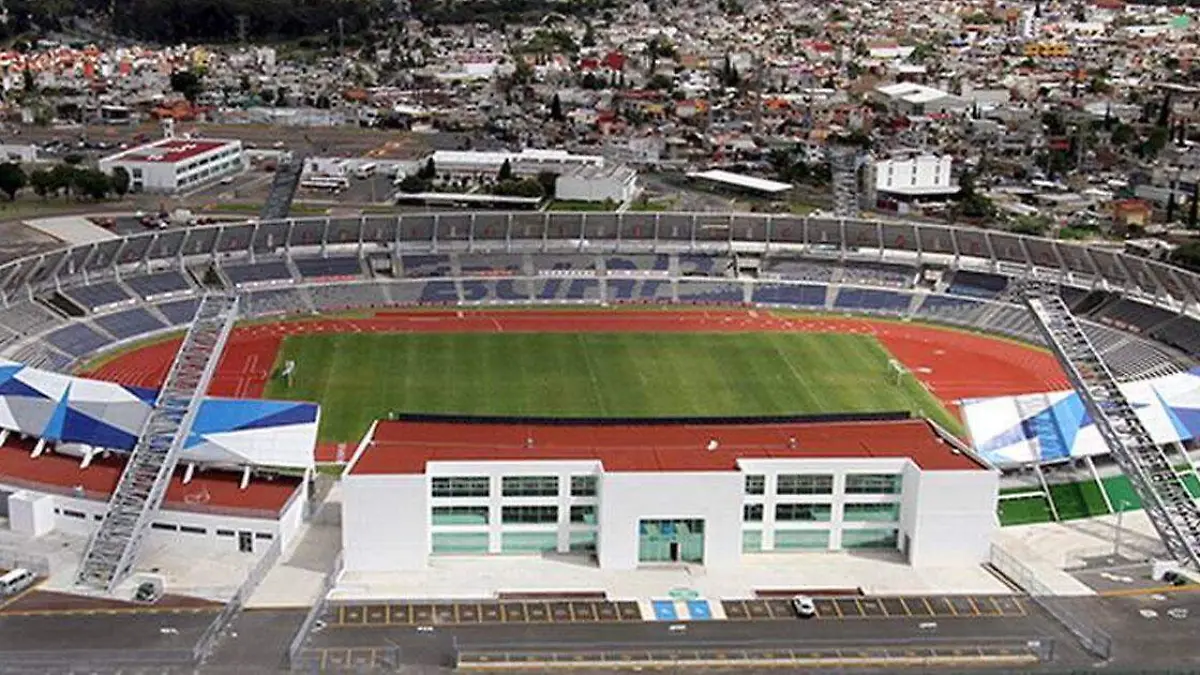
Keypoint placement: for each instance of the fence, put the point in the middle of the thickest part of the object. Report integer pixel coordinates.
(1095, 641)
(314, 613)
(11, 560)
(233, 607)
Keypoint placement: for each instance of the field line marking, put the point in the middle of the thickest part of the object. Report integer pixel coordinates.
(792, 367)
(587, 361)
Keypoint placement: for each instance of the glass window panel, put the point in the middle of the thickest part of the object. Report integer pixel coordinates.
(755, 484)
(872, 484)
(751, 541)
(528, 542)
(529, 486)
(885, 538)
(460, 542)
(583, 542)
(460, 515)
(583, 486)
(801, 539)
(804, 484)
(813, 513)
(528, 514)
(460, 486)
(583, 514)
(752, 513)
(872, 512)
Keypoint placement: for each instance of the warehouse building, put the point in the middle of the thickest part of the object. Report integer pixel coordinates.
(174, 164)
(624, 496)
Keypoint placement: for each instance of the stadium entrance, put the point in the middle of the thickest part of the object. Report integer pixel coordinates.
(671, 541)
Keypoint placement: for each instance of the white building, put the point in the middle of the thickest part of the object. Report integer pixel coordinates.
(616, 183)
(914, 177)
(632, 496)
(910, 98)
(527, 162)
(174, 164)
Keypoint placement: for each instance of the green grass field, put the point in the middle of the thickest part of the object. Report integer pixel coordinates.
(358, 378)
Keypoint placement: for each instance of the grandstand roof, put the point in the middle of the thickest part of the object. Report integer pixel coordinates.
(406, 447)
(738, 180)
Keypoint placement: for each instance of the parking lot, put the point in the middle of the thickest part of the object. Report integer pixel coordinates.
(416, 614)
(940, 607)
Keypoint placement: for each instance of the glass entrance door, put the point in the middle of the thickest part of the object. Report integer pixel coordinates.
(671, 541)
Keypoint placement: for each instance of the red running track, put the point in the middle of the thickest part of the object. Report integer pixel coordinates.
(952, 364)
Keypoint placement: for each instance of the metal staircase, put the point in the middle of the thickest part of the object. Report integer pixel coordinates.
(1166, 500)
(114, 547)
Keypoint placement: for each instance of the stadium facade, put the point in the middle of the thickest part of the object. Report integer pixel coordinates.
(650, 493)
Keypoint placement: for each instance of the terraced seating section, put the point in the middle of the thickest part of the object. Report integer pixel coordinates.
(150, 286)
(259, 272)
(95, 296)
(179, 312)
(77, 339)
(130, 323)
(325, 268)
(27, 318)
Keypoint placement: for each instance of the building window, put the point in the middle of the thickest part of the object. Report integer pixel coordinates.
(263, 535)
(460, 515)
(751, 541)
(756, 484)
(461, 486)
(528, 542)
(813, 513)
(804, 484)
(872, 484)
(885, 538)
(583, 514)
(163, 526)
(752, 513)
(801, 539)
(530, 486)
(460, 542)
(528, 514)
(192, 530)
(872, 512)
(224, 533)
(583, 542)
(583, 486)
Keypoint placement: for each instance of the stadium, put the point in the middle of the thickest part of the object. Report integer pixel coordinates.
(635, 388)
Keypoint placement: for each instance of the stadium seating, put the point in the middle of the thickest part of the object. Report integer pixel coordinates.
(790, 294)
(276, 301)
(639, 290)
(440, 292)
(256, 273)
(1183, 333)
(39, 355)
(1010, 320)
(151, 286)
(573, 290)
(710, 291)
(28, 318)
(699, 265)
(802, 270)
(179, 312)
(977, 284)
(879, 274)
(564, 263)
(77, 339)
(130, 323)
(870, 300)
(343, 296)
(632, 264)
(498, 290)
(488, 265)
(425, 266)
(95, 296)
(329, 268)
(1132, 316)
(949, 309)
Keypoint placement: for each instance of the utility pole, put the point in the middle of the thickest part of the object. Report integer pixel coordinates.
(241, 28)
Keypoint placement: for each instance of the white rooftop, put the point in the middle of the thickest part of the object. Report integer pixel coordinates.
(738, 180)
(71, 230)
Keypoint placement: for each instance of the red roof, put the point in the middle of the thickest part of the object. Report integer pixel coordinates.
(405, 447)
(207, 490)
(170, 150)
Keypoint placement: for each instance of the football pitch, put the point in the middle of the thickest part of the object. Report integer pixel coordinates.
(361, 377)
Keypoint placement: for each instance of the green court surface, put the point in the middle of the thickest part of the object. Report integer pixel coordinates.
(358, 378)
(1080, 499)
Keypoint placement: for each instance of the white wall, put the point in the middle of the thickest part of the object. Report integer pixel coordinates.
(385, 522)
(925, 171)
(30, 513)
(949, 517)
(627, 498)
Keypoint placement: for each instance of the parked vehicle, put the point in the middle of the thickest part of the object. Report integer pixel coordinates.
(804, 606)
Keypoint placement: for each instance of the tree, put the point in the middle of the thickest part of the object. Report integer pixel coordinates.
(29, 84)
(120, 181)
(41, 182)
(429, 171)
(506, 172)
(187, 83)
(94, 183)
(1187, 255)
(556, 112)
(1164, 113)
(413, 184)
(1122, 134)
(12, 179)
(63, 177)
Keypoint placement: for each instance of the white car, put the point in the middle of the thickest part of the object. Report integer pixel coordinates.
(804, 606)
